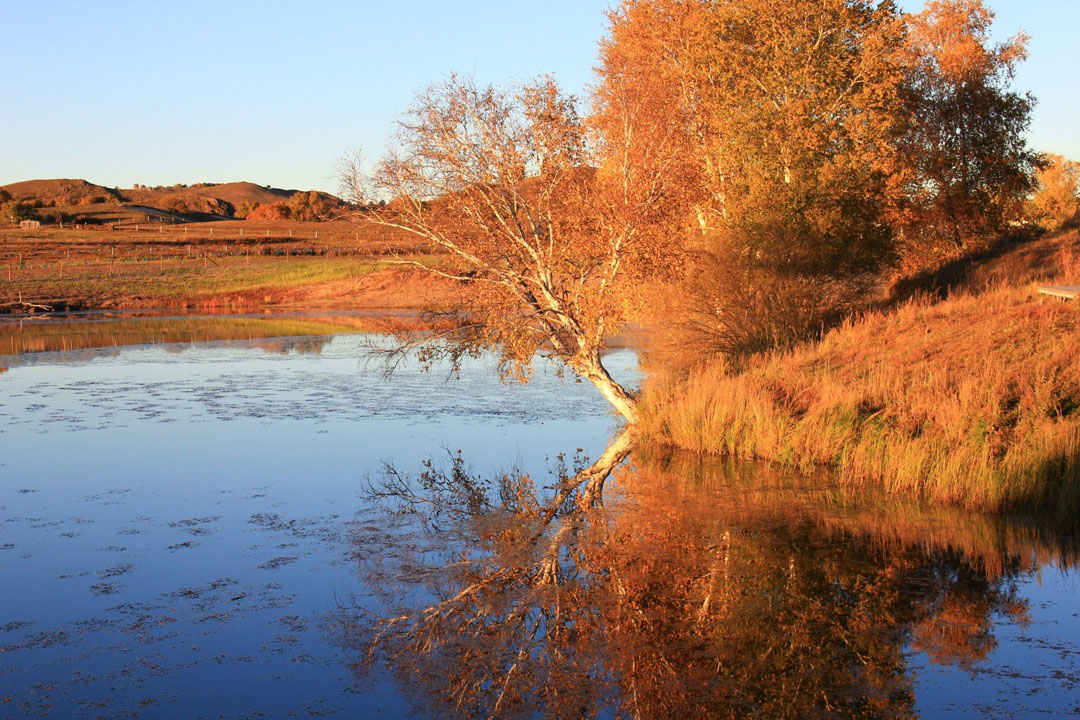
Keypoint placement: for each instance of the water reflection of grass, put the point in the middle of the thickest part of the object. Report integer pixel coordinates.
(995, 543)
(40, 336)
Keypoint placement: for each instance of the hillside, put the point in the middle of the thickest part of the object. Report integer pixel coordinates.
(60, 192)
(221, 199)
(973, 399)
(199, 202)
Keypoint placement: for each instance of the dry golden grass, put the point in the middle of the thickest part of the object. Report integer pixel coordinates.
(974, 400)
(140, 264)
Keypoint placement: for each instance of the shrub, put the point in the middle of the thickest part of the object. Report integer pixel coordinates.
(14, 211)
(271, 211)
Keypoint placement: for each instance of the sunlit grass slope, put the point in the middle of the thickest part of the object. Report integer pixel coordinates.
(973, 400)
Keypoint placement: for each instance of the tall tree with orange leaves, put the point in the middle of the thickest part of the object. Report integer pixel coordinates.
(968, 167)
(790, 112)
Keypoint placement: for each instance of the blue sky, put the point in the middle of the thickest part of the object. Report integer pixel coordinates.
(157, 93)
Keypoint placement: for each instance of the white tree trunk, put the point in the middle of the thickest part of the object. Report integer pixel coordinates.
(623, 401)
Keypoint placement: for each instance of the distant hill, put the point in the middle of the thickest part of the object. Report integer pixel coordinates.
(61, 192)
(235, 193)
(199, 201)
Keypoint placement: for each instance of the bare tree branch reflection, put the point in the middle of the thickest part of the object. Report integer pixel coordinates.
(676, 599)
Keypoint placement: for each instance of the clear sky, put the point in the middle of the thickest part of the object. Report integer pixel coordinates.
(273, 92)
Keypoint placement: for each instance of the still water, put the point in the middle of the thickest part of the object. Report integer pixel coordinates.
(187, 529)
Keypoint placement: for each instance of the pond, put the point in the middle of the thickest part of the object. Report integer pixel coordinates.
(198, 526)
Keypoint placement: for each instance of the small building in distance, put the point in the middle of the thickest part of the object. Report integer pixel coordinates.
(29, 224)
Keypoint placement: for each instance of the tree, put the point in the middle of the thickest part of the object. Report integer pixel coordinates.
(309, 206)
(13, 211)
(546, 236)
(246, 208)
(969, 168)
(789, 111)
(1056, 202)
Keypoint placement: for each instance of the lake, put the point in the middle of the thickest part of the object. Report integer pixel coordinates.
(191, 526)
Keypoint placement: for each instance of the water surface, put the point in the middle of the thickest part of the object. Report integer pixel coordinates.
(185, 532)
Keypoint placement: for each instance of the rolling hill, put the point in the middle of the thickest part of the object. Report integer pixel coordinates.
(201, 201)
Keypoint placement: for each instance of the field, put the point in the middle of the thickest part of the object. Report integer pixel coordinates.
(122, 258)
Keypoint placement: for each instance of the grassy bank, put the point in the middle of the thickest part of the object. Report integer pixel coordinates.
(973, 400)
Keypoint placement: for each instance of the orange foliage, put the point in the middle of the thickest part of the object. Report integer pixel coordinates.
(270, 211)
(1056, 202)
(784, 117)
(817, 142)
(967, 167)
(548, 239)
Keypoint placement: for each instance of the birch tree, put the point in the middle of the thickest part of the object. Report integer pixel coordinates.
(547, 234)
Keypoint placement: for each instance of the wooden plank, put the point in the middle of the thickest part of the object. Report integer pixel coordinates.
(1068, 292)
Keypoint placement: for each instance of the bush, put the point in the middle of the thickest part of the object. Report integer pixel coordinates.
(272, 211)
(12, 212)
(176, 205)
(245, 208)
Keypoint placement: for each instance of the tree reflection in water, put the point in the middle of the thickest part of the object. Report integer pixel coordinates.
(701, 589)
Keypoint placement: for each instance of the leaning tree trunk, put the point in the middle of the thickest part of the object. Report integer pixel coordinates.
(623, 400)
